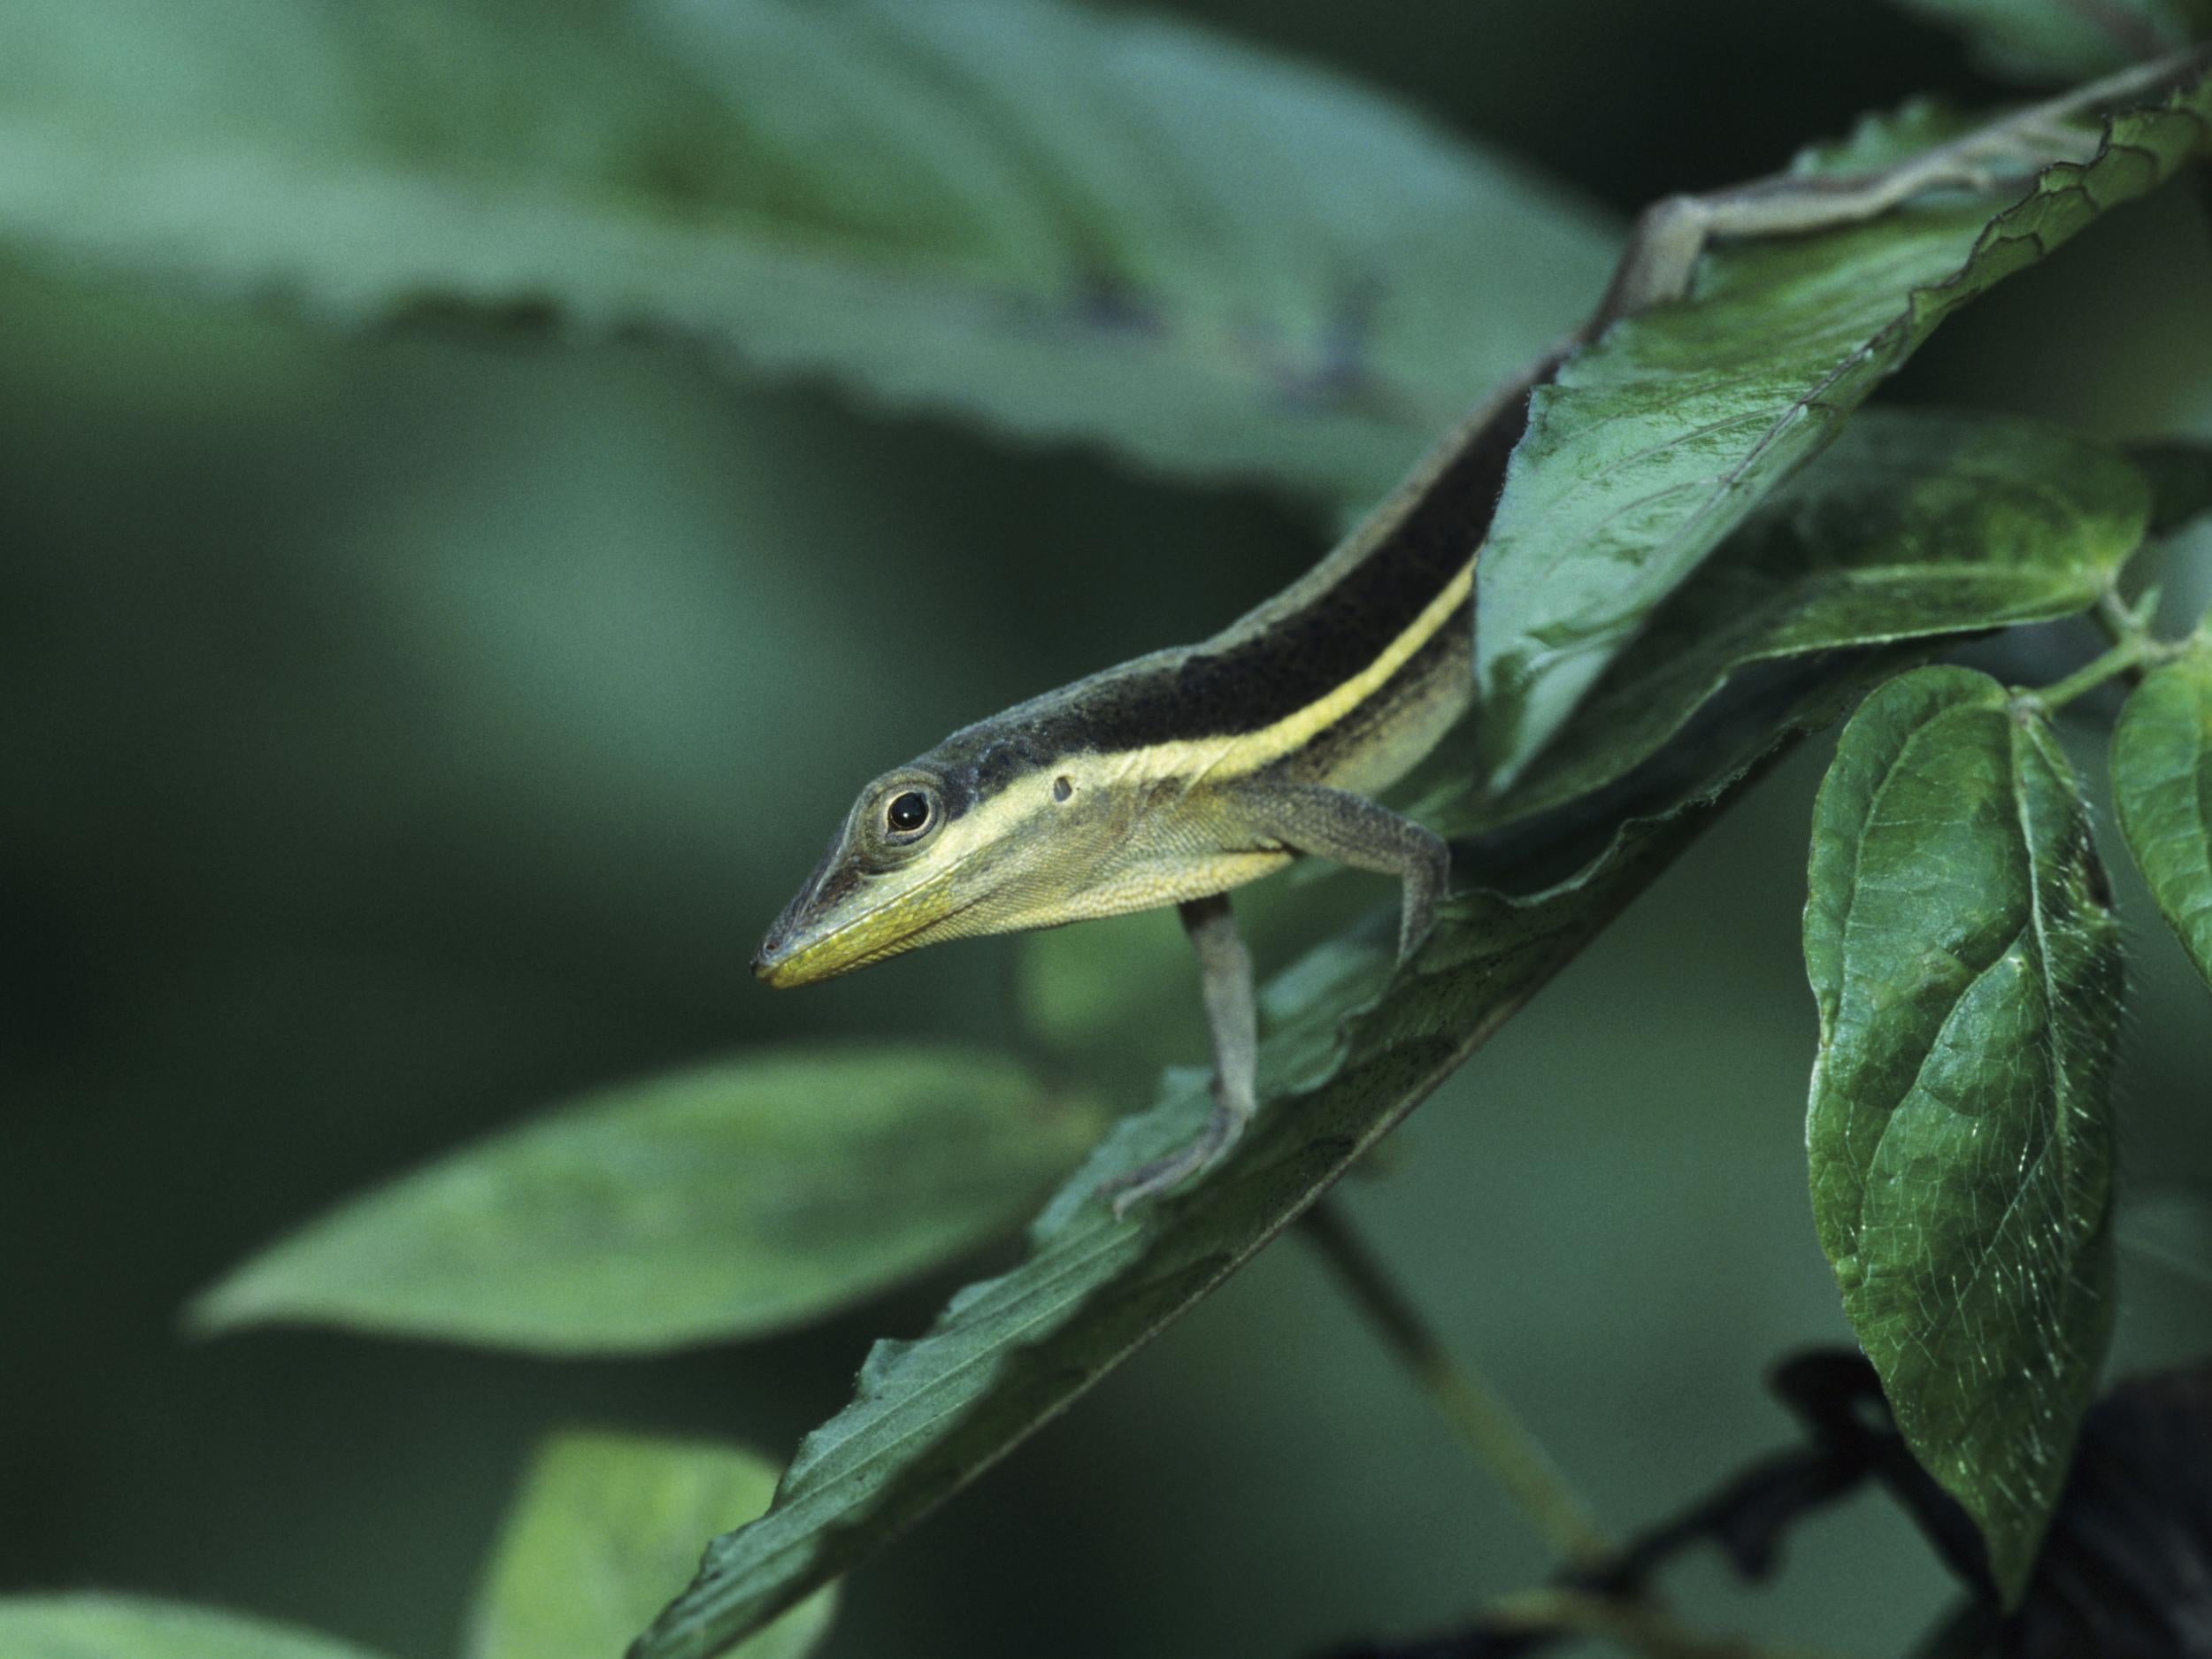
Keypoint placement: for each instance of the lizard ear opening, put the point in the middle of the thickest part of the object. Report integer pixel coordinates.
(1063, 788)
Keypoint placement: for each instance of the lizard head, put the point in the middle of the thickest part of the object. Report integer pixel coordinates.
(957, 844)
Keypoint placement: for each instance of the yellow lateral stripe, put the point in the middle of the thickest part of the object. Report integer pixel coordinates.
(1231, 757)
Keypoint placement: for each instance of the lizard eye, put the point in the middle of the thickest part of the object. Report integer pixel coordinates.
(908, 813)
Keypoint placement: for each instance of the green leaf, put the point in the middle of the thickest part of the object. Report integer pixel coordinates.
(134, 1627)
(1067, 223)
(1658, 440)
(725, 1202)
(2161, 781)
(2068, 40)
(1966, 963)
(607, 1528)
(1912, 525)
(1342, 1066)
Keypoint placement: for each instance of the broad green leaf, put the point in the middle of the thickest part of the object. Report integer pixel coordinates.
(1343, 1064)
(1069, 223)
(2068, 39)
(725, 1202)
(1912, 525)
(2161, 781)
(1966, 963)
(1658, 440)
(136, 1627)
(605, 1529)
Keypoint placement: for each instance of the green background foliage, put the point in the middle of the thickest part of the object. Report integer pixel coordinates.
(2058, 41)
(604, 1530)
(134, 1627)
(409, 727)
(723, 1202)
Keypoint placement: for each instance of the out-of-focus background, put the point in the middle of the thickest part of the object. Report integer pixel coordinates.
(398, 733)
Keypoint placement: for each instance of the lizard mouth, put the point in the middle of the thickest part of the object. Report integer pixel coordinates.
(809, 944)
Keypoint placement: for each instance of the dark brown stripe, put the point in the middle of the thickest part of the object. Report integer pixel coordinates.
(1321, 753)
(1291, 663)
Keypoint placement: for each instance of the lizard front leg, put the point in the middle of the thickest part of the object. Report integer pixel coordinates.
(1351, 830)
(1225, 976)
(1309, 818)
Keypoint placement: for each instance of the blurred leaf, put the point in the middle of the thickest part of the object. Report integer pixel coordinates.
(1342, 1066)
(1121, 994)
(607, 1528)
(1655, 441)
(133, 1627)
(1087, 991)
(1914, 523)
(2180, 473)
(2161, 781)
(1967, 967)
(2172, 1228)
(1070, 224)
(726, 1201)
(2068, 40)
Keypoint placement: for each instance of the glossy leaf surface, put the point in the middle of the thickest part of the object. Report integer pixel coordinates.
(1659, 439)
(1966, 964)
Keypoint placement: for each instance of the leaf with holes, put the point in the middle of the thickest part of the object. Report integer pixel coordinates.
(1966, 964)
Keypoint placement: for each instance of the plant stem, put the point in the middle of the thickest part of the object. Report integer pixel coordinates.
(2127, 654)
(2114, 619)
(1515, 1458)
(1642, 1629)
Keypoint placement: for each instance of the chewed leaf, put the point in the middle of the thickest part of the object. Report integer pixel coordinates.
(605, 1529)
(725, 1202)
(1069, 223)
(1914, 523)
(1657, 441)
(2067, 40)
(1966, 964)
(137, 1627)
(2161, 781)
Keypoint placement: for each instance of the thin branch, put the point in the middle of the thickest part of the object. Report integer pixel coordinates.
(1748, 1519)
(1504, 1445)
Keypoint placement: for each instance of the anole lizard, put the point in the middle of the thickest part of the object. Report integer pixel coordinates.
(1174, 777)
